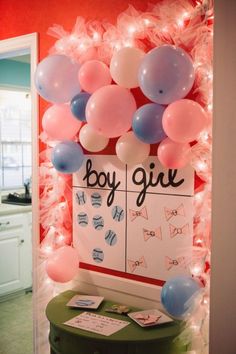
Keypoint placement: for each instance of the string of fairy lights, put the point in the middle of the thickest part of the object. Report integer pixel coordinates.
(174, 22)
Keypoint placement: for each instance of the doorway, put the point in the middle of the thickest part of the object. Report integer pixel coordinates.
(19, 225)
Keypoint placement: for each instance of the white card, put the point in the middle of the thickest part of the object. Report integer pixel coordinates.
(92, 322)
(85, 301)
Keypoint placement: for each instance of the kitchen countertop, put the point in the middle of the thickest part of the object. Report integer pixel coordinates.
(6, 209)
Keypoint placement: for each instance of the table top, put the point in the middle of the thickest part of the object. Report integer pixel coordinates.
(57, 313)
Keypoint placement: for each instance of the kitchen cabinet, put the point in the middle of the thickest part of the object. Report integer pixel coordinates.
(15, 252)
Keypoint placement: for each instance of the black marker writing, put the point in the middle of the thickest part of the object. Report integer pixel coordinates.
(101, 179)
(140, 178)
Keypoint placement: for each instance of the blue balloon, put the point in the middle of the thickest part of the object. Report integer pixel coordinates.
(177, 296)
(56, 78)
(166, 74)
(147, 123)
(67, 157)
(78, 105)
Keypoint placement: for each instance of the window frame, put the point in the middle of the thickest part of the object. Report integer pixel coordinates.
(26, 90)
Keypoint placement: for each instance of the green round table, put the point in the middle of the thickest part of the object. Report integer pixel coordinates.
(132, 339)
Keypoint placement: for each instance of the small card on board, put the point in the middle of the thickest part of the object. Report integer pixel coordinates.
(149, 318)
(85, 301)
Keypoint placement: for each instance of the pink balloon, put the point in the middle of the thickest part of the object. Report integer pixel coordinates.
(183, 120)
(130, 150)
(59, 123)
(62, 265)
(173, 155)
(94, 74)
(110, 110)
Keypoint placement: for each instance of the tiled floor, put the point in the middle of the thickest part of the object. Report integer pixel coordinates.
(16, 325)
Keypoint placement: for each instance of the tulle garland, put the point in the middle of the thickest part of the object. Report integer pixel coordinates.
(184, 23)
(168, 22)
(55, 206)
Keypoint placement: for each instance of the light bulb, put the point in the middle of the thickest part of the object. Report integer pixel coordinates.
(62, 205)
(198, 241)
(210, 107)
(197, 64)
(47, 249)
(204, 136)
(206, 300)
(197, 269)
(210, 75)
(164, 29)
(59, 46)
(185, 14)
(201, 166)
(131, 29)
(96, 36)
(60, 237)
(180, 22)
(82, 46)
(146, 21)
(128, 44)
(73, 38)
(48, 281)
(198, 197)
(117, 46)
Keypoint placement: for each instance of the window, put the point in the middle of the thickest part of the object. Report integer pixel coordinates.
(15, 138)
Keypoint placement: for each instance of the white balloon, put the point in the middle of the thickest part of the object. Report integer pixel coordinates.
(91, 140)
(125, 65)
(130, 150)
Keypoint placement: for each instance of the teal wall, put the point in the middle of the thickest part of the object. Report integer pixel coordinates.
(14, 73)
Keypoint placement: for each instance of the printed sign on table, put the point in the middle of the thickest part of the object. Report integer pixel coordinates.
(136, 220)
(92, 322)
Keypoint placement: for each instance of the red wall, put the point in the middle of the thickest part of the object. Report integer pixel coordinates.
(27, 16)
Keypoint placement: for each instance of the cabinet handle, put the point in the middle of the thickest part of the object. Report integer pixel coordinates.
(22, 241)
(5, 223)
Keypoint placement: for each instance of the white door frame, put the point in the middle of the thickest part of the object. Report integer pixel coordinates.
(11, 46)
(223, 284)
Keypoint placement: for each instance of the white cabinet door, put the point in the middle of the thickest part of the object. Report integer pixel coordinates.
(26, 251)
(15, 254)
(10, 261)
